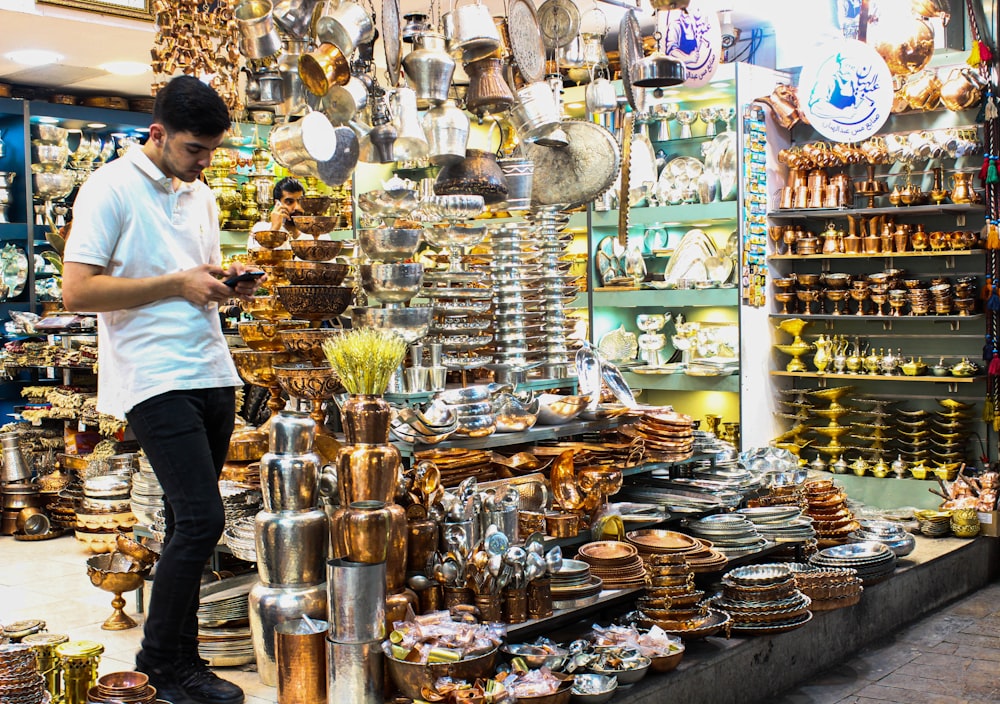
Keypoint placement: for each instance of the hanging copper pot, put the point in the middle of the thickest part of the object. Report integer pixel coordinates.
(905, 41)
(488, 91)
(477, 174)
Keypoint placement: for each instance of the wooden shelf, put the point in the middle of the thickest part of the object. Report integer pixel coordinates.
(943, 209)
(879, 318)
(882, 377)
(882, 255)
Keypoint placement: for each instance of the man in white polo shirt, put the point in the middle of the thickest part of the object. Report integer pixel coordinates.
(144, 254)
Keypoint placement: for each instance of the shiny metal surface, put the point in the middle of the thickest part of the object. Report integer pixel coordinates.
(291, 547)
(292, 433)
(356, 672)
(357, 601)
(270, 606)
(389, 244)
(393, 282)
(289, 482)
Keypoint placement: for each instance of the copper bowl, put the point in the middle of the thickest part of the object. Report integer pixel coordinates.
(838, 281)
(308, 342)
(411, 677)
(808, 279)
(264, 335)
(265, 308)
(315, 205)
(258, 367)
(316, 303)
(270, 239)
(317, 250)
(666, 663)
(310, 273)
(316, 225)
(122, 683)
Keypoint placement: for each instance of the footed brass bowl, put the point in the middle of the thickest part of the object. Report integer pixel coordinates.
(258, 367)
(271, 238)
(263, 335)
(308, 342)
(265, 308)
(99, 569)
(317, 250)
(315, 205)
(315, 225)
(303, 380)
(316, 303)
(315, 273)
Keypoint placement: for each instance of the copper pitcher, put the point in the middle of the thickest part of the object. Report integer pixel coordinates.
(923, 90)
(962, 89)
(962, 190)
(488, 91)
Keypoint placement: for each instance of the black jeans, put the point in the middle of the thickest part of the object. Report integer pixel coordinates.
(185, 435)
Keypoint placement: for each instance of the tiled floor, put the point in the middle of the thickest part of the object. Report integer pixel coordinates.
(48, 580)
(951, 657)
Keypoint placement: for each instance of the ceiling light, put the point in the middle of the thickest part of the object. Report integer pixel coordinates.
(142, 130)
(45, 119)
(96, 125)
(125, 68)
(34, 57)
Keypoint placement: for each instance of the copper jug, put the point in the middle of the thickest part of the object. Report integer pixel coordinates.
(923, 90)
(845, 196)
(962, 190)
(488, 91)
(962, 89)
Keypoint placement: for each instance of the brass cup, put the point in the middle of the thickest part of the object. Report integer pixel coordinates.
(529, 522)
(324, 68)
(562, 525)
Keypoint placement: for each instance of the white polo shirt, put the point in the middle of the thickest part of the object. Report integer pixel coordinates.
(128, 219)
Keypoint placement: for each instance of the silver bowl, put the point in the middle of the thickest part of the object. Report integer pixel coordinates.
(554, 409)
(411, 324)
(391, 283)
(453, 207)
(455, 235)
(389, 244)
(605, 687)
(466, 395)
(535, 656)
(391, 203)
(53, 184)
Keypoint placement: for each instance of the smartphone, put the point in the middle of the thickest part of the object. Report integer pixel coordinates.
(240, 278)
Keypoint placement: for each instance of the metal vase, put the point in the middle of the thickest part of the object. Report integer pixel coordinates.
(518, 173)
(291, 547)
(410, 141)
(430, 68)
(289, 482)
(300, 654)
(356, 672)
(291, 433)
(356, 601)
(447, 130)
(488, 91)
(366, 538)
(14, 467)
(258, 37)
(270, 606)
(294, 17)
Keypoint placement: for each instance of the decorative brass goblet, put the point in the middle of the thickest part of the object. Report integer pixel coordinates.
(798, 347)
(270, 239)
(316, 303)
(807, 297)
(860, 294)
(265, 335)
(316, 384)
(836, 295)
(784, 298)
(257, 368)
(110, 572)
(897, 300)
(308, 343)
(879, 296)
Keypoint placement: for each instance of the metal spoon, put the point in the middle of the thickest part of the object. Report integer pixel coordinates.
(554, 559)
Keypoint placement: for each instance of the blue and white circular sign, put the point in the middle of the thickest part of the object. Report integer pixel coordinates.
(694, 38)
(847, 94)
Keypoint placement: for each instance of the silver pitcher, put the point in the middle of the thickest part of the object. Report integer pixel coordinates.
(430, 68)
(472, 31)
(600, 96)
(258, 37)
(270, 606)
(410, 140)
(345, 24)
(447, 130)
(14, 467)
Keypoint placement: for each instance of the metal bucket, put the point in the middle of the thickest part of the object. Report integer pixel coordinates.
(258, 37)
(536, 114)
(356, 672)
(518, 173)
(324, 68)
(310, 139)
(294, 17)
(346, 25)
(473, 31)
(356, 601)
(271, 606)
(300, 653)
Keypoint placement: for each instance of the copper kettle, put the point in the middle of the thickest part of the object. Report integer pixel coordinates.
(962, 89)
(923, 91)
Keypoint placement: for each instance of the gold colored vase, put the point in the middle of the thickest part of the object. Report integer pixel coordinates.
(366, 531)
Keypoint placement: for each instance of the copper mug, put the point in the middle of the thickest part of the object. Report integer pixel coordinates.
(562, 525)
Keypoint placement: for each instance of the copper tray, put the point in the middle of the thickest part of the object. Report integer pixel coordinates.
(658, 540)
(610, 552)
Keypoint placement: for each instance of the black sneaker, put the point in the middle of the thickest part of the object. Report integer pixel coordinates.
(204, 686)
(164, 679)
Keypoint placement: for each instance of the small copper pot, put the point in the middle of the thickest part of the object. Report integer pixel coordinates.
(562, 525)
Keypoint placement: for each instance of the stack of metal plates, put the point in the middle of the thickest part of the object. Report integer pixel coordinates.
(224, 622)
(731, 534)
(147, 494)
(763, 599)
(239, 500)
(781, 524)
(873, 561)
(574, 586)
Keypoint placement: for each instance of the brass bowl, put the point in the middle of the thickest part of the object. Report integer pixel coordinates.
(316, 303)
(98, 569)
(136, 550)
(258, 367)
(310, 273)
(115, 682)
(265, 257)
(270, 239)
(315, 205)
(808, 279)
(263, 335)
(315, 225)
(265, 308)
(666, 663)
(303, 380)
(317, 250)
(411, 678)
(308, 343)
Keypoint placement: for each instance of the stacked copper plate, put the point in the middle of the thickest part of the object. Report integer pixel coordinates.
(617, 564)
(588, 454)
(699, 554)
(763, 599)
(731, 534)
(574, 586)
(667, 436)
(672, 602)
(829, 588)
(832, 520)
(118, 687)
(456, 464)
(20, 681)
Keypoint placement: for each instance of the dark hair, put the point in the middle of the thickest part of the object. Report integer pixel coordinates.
(287, 185)
(186, 104)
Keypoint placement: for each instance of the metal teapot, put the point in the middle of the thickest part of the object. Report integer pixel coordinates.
(962, 89)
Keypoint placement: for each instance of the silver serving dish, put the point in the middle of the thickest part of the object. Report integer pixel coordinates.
(759, 575)
(866, 550)
(535, 656)
(399, 202)
(468, 394)
(554, 409)
(391, 283)
(411, 324)
(389, 244)
(452, 207)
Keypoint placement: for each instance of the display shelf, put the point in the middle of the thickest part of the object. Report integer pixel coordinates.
(78, 116)
(879, 318)
(729, 383)
(881, 255)
(577, 219)
(9, 106)
(532, 435)
(882, 377)
(693, 213)
(529, 385)
(608, 599)
(943, 209)
(14, 231)
(667, 298)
